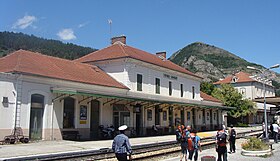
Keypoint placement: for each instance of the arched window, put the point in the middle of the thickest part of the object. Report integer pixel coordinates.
(69, 112)
(36, 116)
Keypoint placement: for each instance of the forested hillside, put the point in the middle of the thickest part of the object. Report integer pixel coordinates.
(10, 41)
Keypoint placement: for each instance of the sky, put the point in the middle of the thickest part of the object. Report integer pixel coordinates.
(247, 28)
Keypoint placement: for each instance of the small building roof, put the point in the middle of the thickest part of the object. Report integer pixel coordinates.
(27, 62)
(207, 97)
(119, 50)
(240, 77)
(269, 100)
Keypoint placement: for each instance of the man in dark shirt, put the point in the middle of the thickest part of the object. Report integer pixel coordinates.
(121, 145)
(232, 139)
(221, 147)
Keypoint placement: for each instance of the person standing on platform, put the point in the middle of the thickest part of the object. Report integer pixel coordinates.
(193, 145)
(275, 132)
(121, 145)
(181, 136)
(232, 139)
(221, 147)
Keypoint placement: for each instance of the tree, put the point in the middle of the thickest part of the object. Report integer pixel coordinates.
(232, 98)
(207, 87)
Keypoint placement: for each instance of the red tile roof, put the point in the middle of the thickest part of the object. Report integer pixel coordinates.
(208, 97)
(241, 77)
(119, 50)
(28, 62)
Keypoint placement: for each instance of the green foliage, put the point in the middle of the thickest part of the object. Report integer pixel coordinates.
(10, 42)
(277, 87)
(254, 144)
(239, 124)
(207, 87)
(232, 98)
(277, 92)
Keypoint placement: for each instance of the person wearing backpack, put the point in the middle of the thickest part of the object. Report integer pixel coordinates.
(232, 139)
(221, 147)
(183, 133)
(193, 145)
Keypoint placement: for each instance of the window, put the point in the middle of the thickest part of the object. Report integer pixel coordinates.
(121, 115)
(170, 88)
(182, 90)
(203, 117)
(149, 115)
(139, 82)
(193, 92)
(243, 91)
(68, 112)
(157, 86)
(189, 115)
(164, 117)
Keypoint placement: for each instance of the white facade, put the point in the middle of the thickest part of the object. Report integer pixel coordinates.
(126, 70)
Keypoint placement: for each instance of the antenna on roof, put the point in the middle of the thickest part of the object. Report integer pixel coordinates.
(110, 24)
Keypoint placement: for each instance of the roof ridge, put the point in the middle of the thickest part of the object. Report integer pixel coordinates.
(89, 54)
(122, 48)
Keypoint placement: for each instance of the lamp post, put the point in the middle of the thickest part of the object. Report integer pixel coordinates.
(264, 98)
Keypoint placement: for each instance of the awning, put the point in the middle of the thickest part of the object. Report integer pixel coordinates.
(201, 104)
(269, 100)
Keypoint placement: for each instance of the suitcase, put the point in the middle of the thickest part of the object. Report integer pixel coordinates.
(208, 158)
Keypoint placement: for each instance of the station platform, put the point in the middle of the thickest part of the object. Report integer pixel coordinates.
(64, 146)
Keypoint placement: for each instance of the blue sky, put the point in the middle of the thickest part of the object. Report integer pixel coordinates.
(247, 28)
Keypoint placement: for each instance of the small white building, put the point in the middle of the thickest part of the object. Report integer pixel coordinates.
(48, 96)
(251, 88)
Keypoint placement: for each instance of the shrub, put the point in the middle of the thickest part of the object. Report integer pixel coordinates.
(254, 144)
(239, 124)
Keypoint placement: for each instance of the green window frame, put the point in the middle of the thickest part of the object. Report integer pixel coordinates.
(139, 82)
(170, 88)
(157, 85)
(182, 90)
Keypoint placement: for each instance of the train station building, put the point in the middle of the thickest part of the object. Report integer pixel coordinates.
(48, 96)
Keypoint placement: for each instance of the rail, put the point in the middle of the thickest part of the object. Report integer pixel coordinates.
(140, 152)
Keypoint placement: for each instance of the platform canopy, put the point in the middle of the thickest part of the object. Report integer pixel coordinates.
(145, 98)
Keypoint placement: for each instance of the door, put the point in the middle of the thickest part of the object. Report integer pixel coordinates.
(138, 123)
(157, 115)
(94, 119)
(36, 117)
(182, 112)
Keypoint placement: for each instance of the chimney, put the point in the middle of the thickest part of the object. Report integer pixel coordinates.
(121, 39)
(161, 54)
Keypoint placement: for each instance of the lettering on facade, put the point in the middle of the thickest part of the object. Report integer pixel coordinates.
(170, 76)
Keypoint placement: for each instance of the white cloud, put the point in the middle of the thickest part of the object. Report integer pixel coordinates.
(24, 22)
(66, 34)
(83, 24)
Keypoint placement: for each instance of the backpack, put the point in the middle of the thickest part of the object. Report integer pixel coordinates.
(233, 133)
(221, 138)
(178, 136)
(192, 143)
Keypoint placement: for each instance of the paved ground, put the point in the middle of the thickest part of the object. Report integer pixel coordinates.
(237, 156)
(53, 147)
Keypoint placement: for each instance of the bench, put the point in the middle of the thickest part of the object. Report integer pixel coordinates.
(71, 135)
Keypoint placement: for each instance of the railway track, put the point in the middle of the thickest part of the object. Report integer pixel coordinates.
(140, 152)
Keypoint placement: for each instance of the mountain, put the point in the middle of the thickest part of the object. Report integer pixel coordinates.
(213, 63)
(10, 41)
